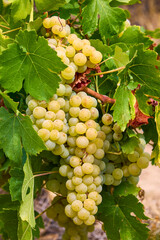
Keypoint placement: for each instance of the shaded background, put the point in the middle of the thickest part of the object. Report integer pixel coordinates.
(146, 14)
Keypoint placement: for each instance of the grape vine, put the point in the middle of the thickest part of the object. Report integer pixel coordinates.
(79, 101)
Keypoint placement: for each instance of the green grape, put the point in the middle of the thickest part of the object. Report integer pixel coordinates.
(117, 173)
(133, 157)
(39, 112)
(143, 162)
(96, 57)
(107, 119)
(134, 169)
(77, 44)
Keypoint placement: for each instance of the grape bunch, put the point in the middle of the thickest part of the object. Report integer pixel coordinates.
(72, 231)
(121, 166)
(90, 152)
(84, 165)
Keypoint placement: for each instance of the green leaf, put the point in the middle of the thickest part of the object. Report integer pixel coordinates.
(4, 42)
(123, 2)
(125, 188)
(157, 120)
(34, 61)
(154, 34)
(150, 131)
(143, 102)
(15, 183)
(35, 25)
(132, 36)
(129, 145)
(72, 7)
(110, 22)
(15, 131)
(24, 230)
(20, 9)
(27, 195)
(10, 223)
(142, 69)
(120, 58)
(123, 108)
(47, 5)
(7, 204)
(100, 46)
(120, 214)
(9, 103)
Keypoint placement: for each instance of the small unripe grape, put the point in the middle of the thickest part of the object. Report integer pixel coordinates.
(50, 145)
(88, 159)
(44, 134)
(78, 171)
(91, 188)
(89, 204)
(94, 113)
(69, 211)
(71, 141)
(76, 221)
(99, 154)
(77, 205)
(47, 124)
(70, 51)
(68, 73)
(91, 148)
(54, 135)
(91, 133)
(80, 59)
(87, 179)
(134, 169)
(96, 57)
(117, 136)
(62, 138)
(125, 171)
(79, 152)
(91, 124)
(39, 112)
(71, 197)
(117, 173)
(133, 157)
(80, 128)
(84, 114)
(75, 161)
(82, 142)
(81, 188)
(47, 23)
(87, 102)
(75, 101)
(77, 44)
(81, 196)
(88, 50)
(50, 115)
(73, 121)
(54, 106)
(60, 115)
(101, 135)
(74, 111)
(116, 182)
(93, 195)
(61, 90)
(82, 69)
(69, 185)
(83, 214)
(143, 162)
(107, 119)
(99, 200)
(96, 170)
(106, 129)
(76, 180)
(133, 180)
(58, 124)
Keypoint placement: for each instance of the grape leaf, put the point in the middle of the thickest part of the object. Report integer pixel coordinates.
(100, 46)
(20, 9)
(15, 130)
(125, 188)
(123, 2)
(142, 69)
(129, 145)
(10, 224)
(120, 58)
(150, 131)
(117, 213)
(7, 204)
(27, 195)
(34, 61)
(133, 35)
(110, 22)
(24, 230)
(157, 120)
(142, 102)
(15, 183)
(48, 5)
(72, 7)
(123, 107)
(9, 103)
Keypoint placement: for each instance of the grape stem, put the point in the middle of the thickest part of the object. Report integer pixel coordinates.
(107, 72)
(11, 30)
(4, 26)
(103, 98)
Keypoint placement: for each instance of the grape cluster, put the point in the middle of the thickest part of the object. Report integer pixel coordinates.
(84, 165)
(49, 119)
(121, 166)
(72, 231)
(77, 54)
(90, 154)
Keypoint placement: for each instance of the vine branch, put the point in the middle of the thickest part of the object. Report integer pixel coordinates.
(107, 72)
